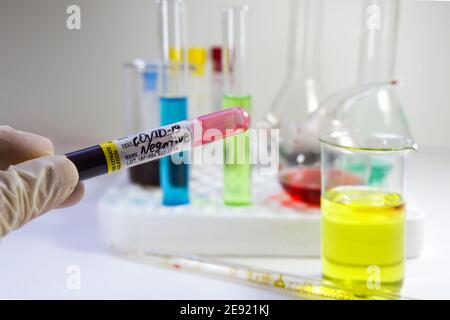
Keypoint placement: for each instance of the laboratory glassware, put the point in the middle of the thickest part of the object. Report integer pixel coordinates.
(363, 223)
(297, 99)
(335, 113)
(174, 175)
(199, 86)
(236, 92)
(152, 144)
(300, 175)
(350, 108)
(381, 112)
(302, 87)
(372, 106)
(216, 76)
(293, 285)
(142, 112)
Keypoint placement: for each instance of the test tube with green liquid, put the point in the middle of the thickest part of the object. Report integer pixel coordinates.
(236, 92)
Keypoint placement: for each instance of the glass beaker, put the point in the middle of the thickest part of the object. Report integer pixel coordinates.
(363, 225)
(142, 112)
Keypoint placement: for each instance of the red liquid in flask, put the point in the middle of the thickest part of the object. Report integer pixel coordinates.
(302, 184)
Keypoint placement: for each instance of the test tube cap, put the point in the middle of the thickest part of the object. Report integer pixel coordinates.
(197, 58)
(150, 80)
(216, 56)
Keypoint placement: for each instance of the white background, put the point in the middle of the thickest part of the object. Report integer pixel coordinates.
(68, 84)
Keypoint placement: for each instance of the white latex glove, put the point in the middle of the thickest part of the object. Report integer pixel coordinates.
(32, 180)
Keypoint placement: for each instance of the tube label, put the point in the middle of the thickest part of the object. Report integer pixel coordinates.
(150, 145)
(112, 156)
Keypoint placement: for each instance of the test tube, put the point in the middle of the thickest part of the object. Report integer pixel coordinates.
(199, 99)
(236, 92)
(174, 177)
(152, 144)
(216, 76)
(142, 112)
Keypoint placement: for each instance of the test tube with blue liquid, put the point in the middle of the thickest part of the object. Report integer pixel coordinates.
(174, 175)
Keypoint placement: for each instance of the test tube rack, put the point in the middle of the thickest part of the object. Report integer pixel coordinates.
(132, 219)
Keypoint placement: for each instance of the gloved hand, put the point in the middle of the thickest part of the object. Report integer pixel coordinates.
(32, 179)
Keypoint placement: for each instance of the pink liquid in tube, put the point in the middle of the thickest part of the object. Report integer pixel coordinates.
(222, 124)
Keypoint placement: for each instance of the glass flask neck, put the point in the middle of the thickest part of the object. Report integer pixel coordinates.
(305, 34)
(301, 90)
(378, 40)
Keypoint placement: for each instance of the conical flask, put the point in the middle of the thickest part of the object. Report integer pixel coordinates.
(300, 173)
(370, 107)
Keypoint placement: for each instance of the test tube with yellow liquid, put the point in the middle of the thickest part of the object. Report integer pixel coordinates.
(363, 226)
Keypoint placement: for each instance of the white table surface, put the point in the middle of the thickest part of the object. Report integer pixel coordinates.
(34, 260)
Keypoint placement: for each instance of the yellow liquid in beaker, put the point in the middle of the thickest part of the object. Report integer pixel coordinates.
(363, 237)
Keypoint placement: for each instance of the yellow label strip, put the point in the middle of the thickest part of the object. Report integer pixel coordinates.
(112, 156)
